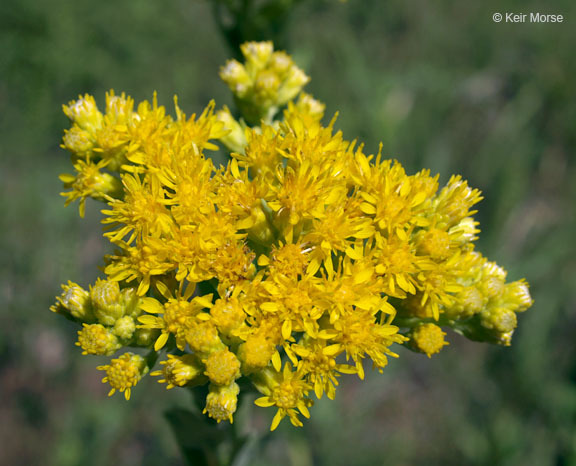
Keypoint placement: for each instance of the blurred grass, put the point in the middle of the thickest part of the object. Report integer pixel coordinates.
(441, 85)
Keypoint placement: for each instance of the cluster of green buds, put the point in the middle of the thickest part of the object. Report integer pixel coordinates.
(264, 83)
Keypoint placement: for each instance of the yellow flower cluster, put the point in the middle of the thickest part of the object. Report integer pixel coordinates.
(290, 266)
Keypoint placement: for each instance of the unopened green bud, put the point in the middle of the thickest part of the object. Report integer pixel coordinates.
(74, 302)
(257, 54)
(98, 340)
(124, 328)
(146, 337)
(131, 302)
(498, 318)
(222, 401)
(84, 113)
(106, 299)
(293, 84)
(517, 295)
(78, 141)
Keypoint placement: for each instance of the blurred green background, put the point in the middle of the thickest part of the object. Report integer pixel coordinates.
(441, 85)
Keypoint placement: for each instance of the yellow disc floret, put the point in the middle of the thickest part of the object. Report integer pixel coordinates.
(428, 339)
(256, 352)
(436, 244)
(124, 372)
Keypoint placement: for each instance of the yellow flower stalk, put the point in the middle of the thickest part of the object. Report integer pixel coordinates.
(295, 264)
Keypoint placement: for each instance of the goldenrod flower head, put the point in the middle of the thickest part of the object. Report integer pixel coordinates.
(222, 367)
(287, 391)
(124, 372)
(97, 339)
(290, 260)
(179, 371)
(222, 401)
(359, 335)
(319, 365)
(256, 352)
(435, 243)
(178, 314)
(89, 181)
(428, 339)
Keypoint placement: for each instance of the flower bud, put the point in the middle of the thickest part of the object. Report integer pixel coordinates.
(498, 318)
(293, 84)
(146, 337)
(78, 141)
(235, 140)
(222, 367)
(75, 302)
(256, 353)
(84, 113)
(106, 299)
(203, 339)
(179, 371)
(222, 401)
(227, 314)
(518, 295)
(257, 54)
(98, 340)
(427, 339)
(235, 76)
(124, 328)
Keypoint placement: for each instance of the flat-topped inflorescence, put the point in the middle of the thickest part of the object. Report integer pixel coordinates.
(289, 267)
